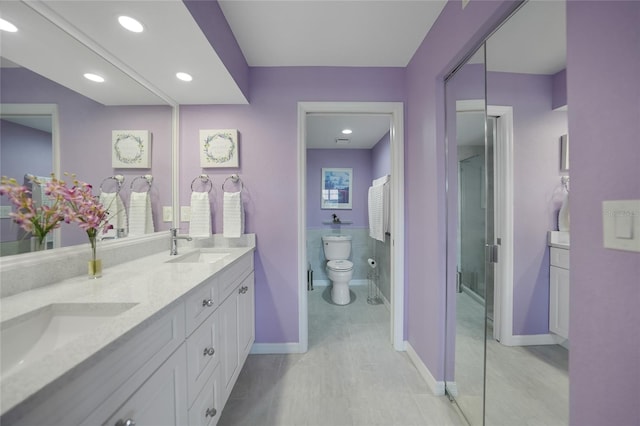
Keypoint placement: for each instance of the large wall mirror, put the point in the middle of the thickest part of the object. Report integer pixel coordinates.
(506, 112)
(52, 119)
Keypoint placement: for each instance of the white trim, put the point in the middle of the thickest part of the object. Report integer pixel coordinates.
(531, 340)
(276, 348)
(503, 211)
(437, 387)
(396, 111)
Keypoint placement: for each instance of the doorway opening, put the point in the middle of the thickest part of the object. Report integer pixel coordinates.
(394, 110)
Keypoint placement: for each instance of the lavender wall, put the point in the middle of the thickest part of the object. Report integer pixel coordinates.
(381, 157)
(357, 159)
(85, 137)
(453, 35)
(537, 189)
(268, 167)
(22, 150)
(603, 65)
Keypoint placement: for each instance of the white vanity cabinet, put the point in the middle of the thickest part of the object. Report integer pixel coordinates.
(177, 369)
(559, 292)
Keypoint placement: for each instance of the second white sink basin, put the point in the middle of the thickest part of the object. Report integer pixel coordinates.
(203, 255)
(29, 337)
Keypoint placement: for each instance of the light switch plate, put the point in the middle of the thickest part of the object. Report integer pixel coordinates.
(167, 213)
(185, 213)
(621, 224)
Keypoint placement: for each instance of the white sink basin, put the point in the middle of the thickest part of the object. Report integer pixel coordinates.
(559, 239)
(29, 337)
(203, 255)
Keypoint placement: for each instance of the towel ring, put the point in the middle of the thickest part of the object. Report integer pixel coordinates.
(205, 179)
(119, 181)
(147, 178)
(235, 179)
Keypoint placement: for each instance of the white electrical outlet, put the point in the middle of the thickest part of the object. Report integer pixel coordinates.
(167, 213)
(185, 213)
(4, 212)
(621, 224)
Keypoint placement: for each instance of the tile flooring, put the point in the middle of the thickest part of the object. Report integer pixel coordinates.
(350, 376)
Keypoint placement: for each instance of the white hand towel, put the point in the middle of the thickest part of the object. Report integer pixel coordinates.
(233, 215)
(140, 217)
(376, 212)
(381, 180)
(386, 209)
(116, 213)
(200, 221)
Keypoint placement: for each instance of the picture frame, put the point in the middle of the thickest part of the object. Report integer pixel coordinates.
(131, 149)
(337, 188)
(219, 148)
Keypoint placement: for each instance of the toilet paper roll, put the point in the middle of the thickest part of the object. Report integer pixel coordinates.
(371, 263)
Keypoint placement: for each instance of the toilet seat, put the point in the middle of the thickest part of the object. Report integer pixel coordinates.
(340, 265)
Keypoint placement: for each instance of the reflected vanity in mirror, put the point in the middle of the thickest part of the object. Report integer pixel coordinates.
(54, 120)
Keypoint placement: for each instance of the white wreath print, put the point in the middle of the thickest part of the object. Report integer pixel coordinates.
(127, 152)
(219, 148)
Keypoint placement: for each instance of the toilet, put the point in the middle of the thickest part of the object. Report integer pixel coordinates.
(339, 269)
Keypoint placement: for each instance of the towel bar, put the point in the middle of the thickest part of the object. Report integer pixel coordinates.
(235, 179)
(147, 178)
(205, 179)
(119, 181)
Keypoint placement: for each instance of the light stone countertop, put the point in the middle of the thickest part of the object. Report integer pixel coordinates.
(150, 282)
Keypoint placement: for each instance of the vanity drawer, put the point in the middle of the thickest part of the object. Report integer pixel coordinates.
(203, 355)
(559, 257)
(231, 277)
(206, 409)
(201, 303)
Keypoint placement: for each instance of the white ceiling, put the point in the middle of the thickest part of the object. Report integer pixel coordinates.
(374, 33)
(324, 129)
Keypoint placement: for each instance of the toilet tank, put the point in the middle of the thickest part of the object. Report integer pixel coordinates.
(336, 247)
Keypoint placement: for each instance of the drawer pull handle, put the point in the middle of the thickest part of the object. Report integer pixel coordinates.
(211, 412)
(207, 302)
(243, 290)
(127, 422)
(209, 351)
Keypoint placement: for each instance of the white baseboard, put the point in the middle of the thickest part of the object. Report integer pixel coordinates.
(530, 340)
(437, 387)
(275, 348)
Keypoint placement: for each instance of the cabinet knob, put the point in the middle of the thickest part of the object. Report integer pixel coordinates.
(211, 412)
(127, 422)
(209, 351)
(243, 290)
(207, 302)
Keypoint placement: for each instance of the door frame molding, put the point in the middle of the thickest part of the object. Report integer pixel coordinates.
(396, 112)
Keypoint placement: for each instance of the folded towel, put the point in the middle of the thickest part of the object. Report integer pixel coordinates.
(381, 180)
(116, 213)
(140, 217)
(376, 212)
(233, 215)
(200, 221)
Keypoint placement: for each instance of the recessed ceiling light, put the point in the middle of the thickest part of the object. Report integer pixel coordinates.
(347, 131)
(130, 24)
(94, 77)
(184, 76)
(7, 26)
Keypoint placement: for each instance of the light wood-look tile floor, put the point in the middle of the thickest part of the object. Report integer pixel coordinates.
(350, 376)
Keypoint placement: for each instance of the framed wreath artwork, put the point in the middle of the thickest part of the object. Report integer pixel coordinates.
(131, 149)
(219, 148)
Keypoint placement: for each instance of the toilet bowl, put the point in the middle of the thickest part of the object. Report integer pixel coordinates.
(337, 249)
(340, 273)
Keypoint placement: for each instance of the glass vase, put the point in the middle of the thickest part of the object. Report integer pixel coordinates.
(38, 244)
(95, 264)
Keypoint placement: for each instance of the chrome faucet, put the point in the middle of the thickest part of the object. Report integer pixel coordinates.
(174, 240)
